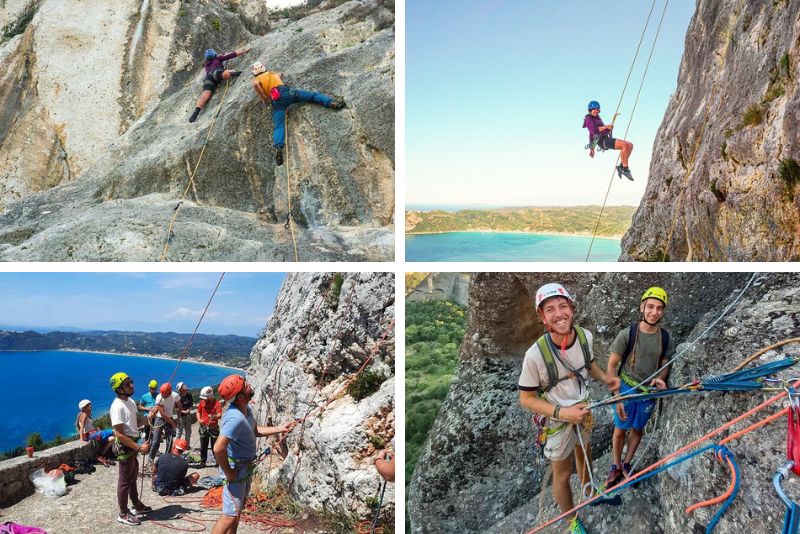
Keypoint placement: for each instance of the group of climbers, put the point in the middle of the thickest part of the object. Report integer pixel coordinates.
(553, 385)
(269, 88)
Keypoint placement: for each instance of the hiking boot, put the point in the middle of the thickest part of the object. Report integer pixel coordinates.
(279, 156)
(140, 509)
(613, 475)
(576, 527)
(194, 115)
(129, 519)
(338, 103)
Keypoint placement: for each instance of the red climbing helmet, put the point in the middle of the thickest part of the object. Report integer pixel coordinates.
(231, 386)
(181, 445)
(166, 389)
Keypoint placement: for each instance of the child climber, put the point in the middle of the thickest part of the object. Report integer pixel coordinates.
(271, 90)
(215, 73)
(600, 135)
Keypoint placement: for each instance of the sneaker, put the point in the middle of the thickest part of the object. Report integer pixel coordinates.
(279, 157)
(338, 103)
(627, 471)
(140, 510)
(627, 172)
(129, 519)
(576, 527)
(614, 474)
(201, 465)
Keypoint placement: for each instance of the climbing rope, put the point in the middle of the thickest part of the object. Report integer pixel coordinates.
(696, 150)
(641, 474)
(185, 351)
(289, 223)
(194, 172)
(621, 96)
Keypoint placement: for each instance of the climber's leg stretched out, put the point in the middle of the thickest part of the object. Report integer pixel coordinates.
(215, 74)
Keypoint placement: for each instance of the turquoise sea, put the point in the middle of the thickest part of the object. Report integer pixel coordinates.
(507, 246)
(44, 387)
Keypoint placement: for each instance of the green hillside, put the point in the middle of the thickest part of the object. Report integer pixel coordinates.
(563, 220)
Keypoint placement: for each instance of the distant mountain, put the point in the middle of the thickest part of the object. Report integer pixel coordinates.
(553, 220)
(226, 350)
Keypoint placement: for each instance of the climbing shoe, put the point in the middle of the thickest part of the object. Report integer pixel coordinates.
(129, 519)
(236, 73)
(279, 156)
(337, 103)
(576, 527)
(624, 171)
(614, 474)
(194, 115)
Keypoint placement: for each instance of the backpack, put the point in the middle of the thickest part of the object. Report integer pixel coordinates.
(550, 363)
(634, 329)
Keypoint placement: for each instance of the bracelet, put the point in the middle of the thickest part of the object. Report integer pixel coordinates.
(555, 412)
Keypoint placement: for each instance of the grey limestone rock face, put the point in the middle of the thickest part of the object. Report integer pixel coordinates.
(716, 162)
(442, 286)
(480, 470)
(318, 337)
(117, 199)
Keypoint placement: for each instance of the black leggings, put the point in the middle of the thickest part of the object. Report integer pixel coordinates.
(207, 435)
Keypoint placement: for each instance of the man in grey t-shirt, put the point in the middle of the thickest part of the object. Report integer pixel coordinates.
(637, 356)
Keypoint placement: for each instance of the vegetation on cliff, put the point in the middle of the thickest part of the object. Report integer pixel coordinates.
(556, 220)
(227, 350)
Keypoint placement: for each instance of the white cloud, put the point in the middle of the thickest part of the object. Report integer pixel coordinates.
(184, 312)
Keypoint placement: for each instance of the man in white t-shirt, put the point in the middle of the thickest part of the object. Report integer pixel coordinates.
(553, 384)
(126, 431)
(166, 419)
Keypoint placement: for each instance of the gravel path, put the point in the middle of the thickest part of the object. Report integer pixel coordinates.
(90, 506)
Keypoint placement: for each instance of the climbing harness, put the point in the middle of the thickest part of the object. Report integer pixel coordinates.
(633, 111)
(176, 209)
(596, 137)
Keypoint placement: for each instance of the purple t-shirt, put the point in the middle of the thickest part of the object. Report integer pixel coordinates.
(593, 124)
(218, 62)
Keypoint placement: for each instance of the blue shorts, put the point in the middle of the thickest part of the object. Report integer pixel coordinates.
(638, 411)
(101, 435)
(233, 495)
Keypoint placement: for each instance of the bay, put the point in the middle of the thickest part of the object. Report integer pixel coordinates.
(508, 246)
(46, 387)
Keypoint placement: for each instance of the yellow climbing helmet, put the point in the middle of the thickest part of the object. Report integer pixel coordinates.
(656, 293)
(117, 379)
(153, 384)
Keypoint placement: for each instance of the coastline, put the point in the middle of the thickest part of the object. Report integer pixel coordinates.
(157, 357)
(617, 237)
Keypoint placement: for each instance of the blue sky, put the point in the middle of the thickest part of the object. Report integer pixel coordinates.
(150, 302)
(496, 93)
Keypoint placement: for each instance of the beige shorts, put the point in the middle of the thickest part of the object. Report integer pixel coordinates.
(560, 445)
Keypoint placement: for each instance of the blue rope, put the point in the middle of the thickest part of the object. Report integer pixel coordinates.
(725, 454)
(791, 520)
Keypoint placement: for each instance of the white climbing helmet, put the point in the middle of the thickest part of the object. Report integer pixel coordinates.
(258, 68)
(551, 290)
(206, 392)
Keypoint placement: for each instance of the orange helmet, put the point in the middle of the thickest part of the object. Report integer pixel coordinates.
(230, 386)
(166, 389)
(181, 445)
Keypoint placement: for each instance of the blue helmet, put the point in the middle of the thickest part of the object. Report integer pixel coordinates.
(210, 54)
(594, 104)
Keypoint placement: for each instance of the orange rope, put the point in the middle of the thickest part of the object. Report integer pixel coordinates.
(720, 498)
(768, 402)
